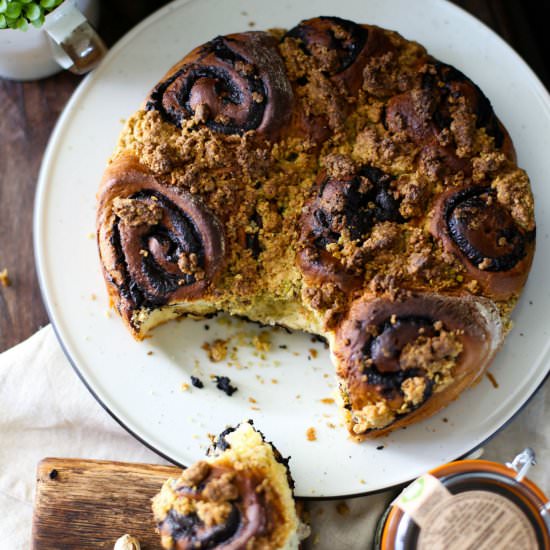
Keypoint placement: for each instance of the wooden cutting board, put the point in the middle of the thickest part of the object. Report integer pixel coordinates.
(90, 503)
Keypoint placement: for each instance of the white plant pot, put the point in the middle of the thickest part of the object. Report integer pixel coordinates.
(32, 54)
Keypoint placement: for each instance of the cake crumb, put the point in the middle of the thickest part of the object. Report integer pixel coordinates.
(197, 382)
(184, 386)
(262, 342)
(251, 400)
(149, 352)
(342, 508)
(311, 434)
(314, 353)
(327, 400)
(216, 350)
(274, 381)
(223, 383)
(5, 280)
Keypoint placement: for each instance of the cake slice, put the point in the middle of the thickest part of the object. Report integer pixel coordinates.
(240, 496)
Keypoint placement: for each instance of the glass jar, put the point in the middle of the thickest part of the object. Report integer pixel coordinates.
(469, 504)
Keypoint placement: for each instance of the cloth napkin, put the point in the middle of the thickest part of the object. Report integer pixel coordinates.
(46, 411)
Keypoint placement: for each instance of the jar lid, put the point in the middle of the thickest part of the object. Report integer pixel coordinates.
(469, 504)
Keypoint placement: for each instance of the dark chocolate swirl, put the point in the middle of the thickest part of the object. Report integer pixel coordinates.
(441, 114)
(334, 42)
(340, 48)
(401, 353)
(494, 249)
(238, 511)
(232, 84)
(189, 532)
(157, 243)
(353, 205)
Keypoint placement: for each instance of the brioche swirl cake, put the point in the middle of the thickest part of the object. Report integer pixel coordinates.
(335, 179)
(240, 496)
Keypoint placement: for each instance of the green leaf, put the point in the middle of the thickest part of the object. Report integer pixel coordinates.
(32, 12)
(3, 22)
(47, 4)
(38, 22)
(12, 23)
(3, 6)
(25, 1)
(22, 24)
(13, 10)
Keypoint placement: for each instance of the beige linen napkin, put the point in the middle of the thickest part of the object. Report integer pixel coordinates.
(46, 411)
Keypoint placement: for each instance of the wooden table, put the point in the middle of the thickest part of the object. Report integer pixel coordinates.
(30, 110)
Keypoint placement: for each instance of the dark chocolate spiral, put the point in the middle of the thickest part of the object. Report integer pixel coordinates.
(340, 48)
(484, 231)
(381, 350)
(189, 532)
(232, 84)
(238, 512)
(445, 100)
(401, 353)
(157, 242)
(483, 234)
(335, 43)
(353, 204)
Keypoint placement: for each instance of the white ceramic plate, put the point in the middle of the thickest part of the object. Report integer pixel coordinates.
(140, 383)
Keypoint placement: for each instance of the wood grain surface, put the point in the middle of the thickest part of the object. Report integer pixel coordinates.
(30, 110)
(84, 504)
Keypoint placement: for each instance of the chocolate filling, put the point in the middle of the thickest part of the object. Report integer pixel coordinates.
(484, 231)
(340, 37)
(148, 255)
(253, 239)
(455, 85)
(352, 205)
(233, 98)
(385, 350)
(231, 84)
(191, 528)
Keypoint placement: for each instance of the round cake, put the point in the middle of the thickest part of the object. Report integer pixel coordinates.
(337, 179)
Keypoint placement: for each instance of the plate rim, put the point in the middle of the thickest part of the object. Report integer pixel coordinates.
(38, 219)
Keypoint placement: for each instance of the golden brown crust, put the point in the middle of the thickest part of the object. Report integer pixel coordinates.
(373, 172)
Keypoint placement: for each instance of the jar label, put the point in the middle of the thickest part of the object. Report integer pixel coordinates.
(475, 520)
(421, 497)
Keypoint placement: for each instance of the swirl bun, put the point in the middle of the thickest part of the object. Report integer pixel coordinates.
(240, 495)
(344, 208)
(405, 359)
(158, 244)
(495, 250)
(232, 84)
(334, 178)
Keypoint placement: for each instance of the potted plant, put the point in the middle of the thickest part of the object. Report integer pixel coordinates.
(38, 39)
